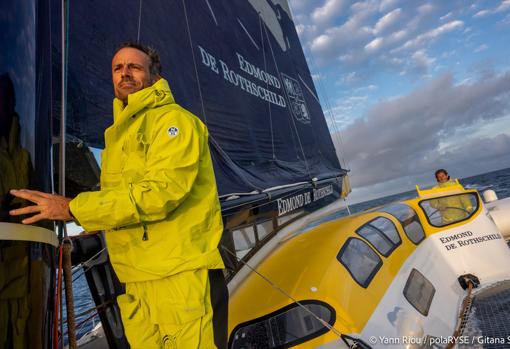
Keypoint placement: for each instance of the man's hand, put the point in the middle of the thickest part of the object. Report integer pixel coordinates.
(47, 206)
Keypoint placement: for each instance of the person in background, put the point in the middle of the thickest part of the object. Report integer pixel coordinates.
(443, 179)
(158, 205)
(452, 208)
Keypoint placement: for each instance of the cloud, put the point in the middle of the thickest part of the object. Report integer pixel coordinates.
(402, 136)
(385, 5)
(387, 21)
(328, 11)
(432, 34)
(426, 9)
(421, 61)
(481, 48)
(351, 33)
(446, 16)
(382, 42)
(505, 5)
(502, 7)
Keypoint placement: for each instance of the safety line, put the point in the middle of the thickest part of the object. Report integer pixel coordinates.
(285, 293)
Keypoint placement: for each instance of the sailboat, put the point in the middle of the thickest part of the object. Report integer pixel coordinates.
(298, 275)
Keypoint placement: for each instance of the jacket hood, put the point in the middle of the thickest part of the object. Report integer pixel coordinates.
(150, 97)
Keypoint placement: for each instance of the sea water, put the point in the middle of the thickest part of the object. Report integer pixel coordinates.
(499, 181)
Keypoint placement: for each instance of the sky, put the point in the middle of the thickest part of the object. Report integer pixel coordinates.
(408, 87)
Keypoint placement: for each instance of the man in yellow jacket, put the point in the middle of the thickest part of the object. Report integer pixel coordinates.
(452, 208)
(158, 204)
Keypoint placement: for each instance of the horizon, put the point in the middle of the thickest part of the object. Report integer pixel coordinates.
(427, 185)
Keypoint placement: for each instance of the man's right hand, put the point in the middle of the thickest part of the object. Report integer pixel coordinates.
(47, 206)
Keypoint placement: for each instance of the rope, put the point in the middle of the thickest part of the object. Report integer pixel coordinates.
(282, 291)
(466, 303)
(57, 298)
(68, 278)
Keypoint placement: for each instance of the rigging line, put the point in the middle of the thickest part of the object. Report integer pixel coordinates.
(288, 99)
(75, 269)
(194, 61)
(139, 21)
(286, 294)
(94, 309)
(316, 138)
(63, 96)
(267, 86)
(326, 99)
(64, 239)
(330, 113)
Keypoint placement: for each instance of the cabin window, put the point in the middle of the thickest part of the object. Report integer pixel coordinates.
(450, 209)
(244, 240)
(419, 291)
(284, 328)
(361, 260)
(382, 235)
(264, 229)
(409, 220)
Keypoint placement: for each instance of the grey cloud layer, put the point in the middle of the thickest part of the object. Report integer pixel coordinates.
(403, 136)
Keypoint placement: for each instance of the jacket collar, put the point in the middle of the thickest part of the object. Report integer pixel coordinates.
(153, 96)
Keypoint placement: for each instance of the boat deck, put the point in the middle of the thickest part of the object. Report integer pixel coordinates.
(488, 322)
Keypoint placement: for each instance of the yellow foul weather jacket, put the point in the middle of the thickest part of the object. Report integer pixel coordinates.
(453, 208)
(158, 200)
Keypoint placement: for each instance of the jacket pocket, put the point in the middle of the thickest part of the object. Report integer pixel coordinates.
(180, 297)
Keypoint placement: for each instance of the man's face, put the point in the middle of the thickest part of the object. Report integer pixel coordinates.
(130, 72)
(442, 177)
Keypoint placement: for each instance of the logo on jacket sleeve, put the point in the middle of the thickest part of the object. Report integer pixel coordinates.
(173, 131)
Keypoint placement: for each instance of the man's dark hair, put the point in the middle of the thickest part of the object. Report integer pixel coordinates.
(441, 170)
(155, 67)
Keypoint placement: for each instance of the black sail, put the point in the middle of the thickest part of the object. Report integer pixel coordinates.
(238, 65)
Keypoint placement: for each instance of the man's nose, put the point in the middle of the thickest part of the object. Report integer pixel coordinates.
(126, 71)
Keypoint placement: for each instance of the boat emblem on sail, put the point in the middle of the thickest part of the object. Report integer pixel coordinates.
(296, 99)
(173, 131)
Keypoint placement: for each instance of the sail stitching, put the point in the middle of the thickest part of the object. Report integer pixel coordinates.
(267, 87)
(292, 118)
